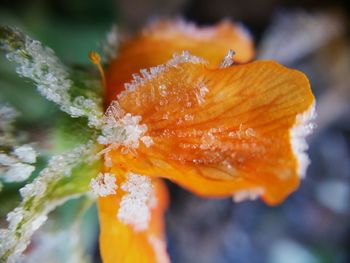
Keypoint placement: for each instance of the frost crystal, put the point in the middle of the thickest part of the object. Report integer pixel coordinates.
(228, 59)
(139, 80)
(103, 184)
(250, 194)
(18, 172)
(147, 140)
(40, 64)
(136, 203)
(16, 166)
(25, 153)
(122, 130)
(303, 127)
(202, 90)
(38, 201)
(15, 161)
(159, 249)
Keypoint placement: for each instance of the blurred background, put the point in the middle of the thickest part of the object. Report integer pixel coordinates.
(312, 225)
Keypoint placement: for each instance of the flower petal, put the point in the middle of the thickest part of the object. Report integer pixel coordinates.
(157, 43)
(119, 242)
(219, 132)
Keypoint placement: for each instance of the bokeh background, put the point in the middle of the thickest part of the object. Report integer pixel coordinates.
(312, 225)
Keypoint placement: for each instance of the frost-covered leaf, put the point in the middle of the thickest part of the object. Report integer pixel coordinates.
(66, 176)
(62, 238)
(53, 79)
(16, 161)
(7, 118)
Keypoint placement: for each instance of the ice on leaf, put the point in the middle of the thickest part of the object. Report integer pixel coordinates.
(16, 161)
(48, 190)
(50, 75)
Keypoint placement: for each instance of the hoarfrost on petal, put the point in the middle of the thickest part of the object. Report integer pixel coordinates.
(177, 59)
(147, 140)
(159, 249)
(249, 194)
(302, 128)
(136, 203)
(228, 59)
(123, 130)
(103, 185)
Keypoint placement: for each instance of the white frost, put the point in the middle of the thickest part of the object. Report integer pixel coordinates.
(228, 59)
(159, 249)
(250, 194)
(51, 76)
(25, 153)
(146, 75)
(136, 203)
(303, 126)
(15, 161)
(103, 184)
(123, 130)
(18, 172)
(37, 202)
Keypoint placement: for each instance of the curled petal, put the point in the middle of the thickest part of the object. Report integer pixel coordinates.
(157, 43)
(219, 132)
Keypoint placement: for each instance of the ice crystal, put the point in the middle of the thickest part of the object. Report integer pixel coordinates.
(18, 172)
(147, 140)
(302, 128)
(52, 78)
(228, 59)
(153, 72)
(159, 249)
(15, 161)
(25, 153)
(250, 194)
(122, 129)
(39, 199)
(15, 166)
(103, 184)
(136, 203)
(201, 91)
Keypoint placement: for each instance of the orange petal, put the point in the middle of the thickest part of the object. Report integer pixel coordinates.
(119, 242)
(157, 43)
(219, 132)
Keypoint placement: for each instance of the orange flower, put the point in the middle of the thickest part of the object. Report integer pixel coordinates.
(214, 128)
